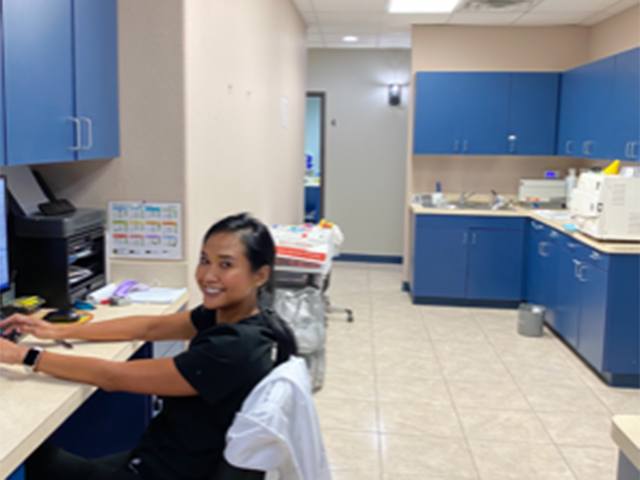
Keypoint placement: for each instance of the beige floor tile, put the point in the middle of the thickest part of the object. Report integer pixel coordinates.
(352, 450)
(503, 426)
(340, 386)
(444, 312)
(426, 457)
(468, 370)
(421, 476)
(451, 351)
(402, 388)
(342, 414)
(408, 365)
(579, 429)
(519, 461)
(619, 401)
(589, 463)
(554, 399)
(416, 345)
(354, 475)
(488, 395)
(413, 418)
(527, 371)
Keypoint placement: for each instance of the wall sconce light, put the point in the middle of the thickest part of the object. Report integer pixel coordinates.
(395, 94)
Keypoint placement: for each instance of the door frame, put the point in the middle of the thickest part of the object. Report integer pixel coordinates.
(323, 100)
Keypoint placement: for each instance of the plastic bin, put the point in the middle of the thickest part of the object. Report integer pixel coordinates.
(530, 319)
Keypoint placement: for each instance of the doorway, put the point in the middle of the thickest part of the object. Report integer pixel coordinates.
(314, 157)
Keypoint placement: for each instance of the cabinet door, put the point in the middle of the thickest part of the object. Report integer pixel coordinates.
(533, 111)
(624, 119)
(96, 77)
(598, 77)
(38, 81)
(534, 283)
(437, 116)
(593, 293)
(494, 271)
(440, 262)
(567, 306)
(485, 105)
(570, 126)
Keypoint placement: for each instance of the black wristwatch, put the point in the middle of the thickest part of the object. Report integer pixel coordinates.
(31, 358)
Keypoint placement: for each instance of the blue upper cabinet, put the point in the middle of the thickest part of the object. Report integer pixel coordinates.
(485, 113)
(60, 73)
(38, 73)
(96, 77)
(438, 113)
(599, 109)
(485, 108)
(533, 113)
(624, 134)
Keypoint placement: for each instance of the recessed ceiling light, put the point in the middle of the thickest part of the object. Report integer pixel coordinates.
(350, 38)
(422, 6)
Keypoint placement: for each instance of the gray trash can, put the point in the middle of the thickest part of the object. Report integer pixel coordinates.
(530, 319)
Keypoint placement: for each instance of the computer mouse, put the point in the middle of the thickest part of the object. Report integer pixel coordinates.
(63, 315)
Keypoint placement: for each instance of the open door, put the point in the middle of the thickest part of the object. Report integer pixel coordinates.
(314, 157)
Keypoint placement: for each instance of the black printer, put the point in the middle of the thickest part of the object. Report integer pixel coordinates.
(59, 257)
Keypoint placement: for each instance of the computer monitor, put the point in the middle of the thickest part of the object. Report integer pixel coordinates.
(5, 280)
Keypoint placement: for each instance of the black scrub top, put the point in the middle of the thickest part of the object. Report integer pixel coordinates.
(223, 363)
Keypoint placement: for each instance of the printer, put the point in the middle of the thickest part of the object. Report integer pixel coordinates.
(607, 207)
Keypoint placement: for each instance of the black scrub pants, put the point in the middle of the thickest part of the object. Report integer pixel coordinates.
(49, 462)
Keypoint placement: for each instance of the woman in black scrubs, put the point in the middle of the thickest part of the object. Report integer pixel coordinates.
(233, 345)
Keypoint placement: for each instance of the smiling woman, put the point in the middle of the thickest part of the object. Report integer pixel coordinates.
(233, 337)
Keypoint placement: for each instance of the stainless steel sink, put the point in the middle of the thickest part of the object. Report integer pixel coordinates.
(473, 206)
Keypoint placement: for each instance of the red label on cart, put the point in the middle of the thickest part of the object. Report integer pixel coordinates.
(301, 253)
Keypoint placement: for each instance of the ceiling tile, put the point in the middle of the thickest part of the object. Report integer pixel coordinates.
(365, 6)
(342, 18)
(572, 5)
(404, 19)
(390, 40)
(349, 28)
(551, 18)
(481, 6)
(362, 39)
(309, 17)
(483, 18)
(314, 38)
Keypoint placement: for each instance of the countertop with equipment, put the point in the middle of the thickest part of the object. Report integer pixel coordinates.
(552, 219)
(32, 406)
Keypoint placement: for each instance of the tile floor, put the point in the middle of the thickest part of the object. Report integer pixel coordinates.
(443, 393)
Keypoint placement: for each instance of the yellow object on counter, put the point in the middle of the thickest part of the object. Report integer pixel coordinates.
(613, 168)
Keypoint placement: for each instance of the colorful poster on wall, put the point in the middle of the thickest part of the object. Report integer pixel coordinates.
(145, 230)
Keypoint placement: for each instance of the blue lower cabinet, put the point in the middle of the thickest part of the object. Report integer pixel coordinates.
(566, 311)
(541, 280)
(17, 475)
(495, 264)
(470, 259)
(592, 286)
(440, 263)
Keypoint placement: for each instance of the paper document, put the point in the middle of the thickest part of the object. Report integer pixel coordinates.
(157, 295)
(25, 189)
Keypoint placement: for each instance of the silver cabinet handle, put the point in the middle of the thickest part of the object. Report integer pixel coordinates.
(572, 245)
(579, 269)
(536, 226)
(78, 130)
(465, 238)
(587, 147)
(553, 234)
(632, 149)
(541, 249)
(473, 238)
(465, 144)
(595, 256)
(568, 146)
(627, 149)
(512, 139)
(89, 123)
(456, 145)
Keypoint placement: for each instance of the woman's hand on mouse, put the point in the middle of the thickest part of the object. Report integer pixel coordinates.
(11, 353)
(30, 324)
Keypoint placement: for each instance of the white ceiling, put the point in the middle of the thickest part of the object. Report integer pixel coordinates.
(329, 20)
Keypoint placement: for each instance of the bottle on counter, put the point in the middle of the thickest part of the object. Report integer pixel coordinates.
(570, 183)
(437, 198)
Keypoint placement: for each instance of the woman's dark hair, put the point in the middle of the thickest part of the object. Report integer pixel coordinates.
(260, 250)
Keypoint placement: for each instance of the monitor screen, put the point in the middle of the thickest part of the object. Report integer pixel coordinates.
(4, 244)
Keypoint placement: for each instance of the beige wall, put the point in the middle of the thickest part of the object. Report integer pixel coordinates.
(244, 64)
(616, 34)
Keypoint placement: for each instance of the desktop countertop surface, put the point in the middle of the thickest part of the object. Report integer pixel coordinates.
(34, 405)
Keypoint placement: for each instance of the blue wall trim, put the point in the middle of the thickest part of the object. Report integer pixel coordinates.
(356, 257)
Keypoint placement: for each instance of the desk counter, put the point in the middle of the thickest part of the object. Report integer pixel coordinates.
(32, 406)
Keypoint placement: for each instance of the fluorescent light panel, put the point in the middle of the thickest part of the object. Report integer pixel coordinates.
(350, 38)
(422, 6)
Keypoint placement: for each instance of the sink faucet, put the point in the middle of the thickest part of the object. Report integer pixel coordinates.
(464, 197)
(497, 200)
